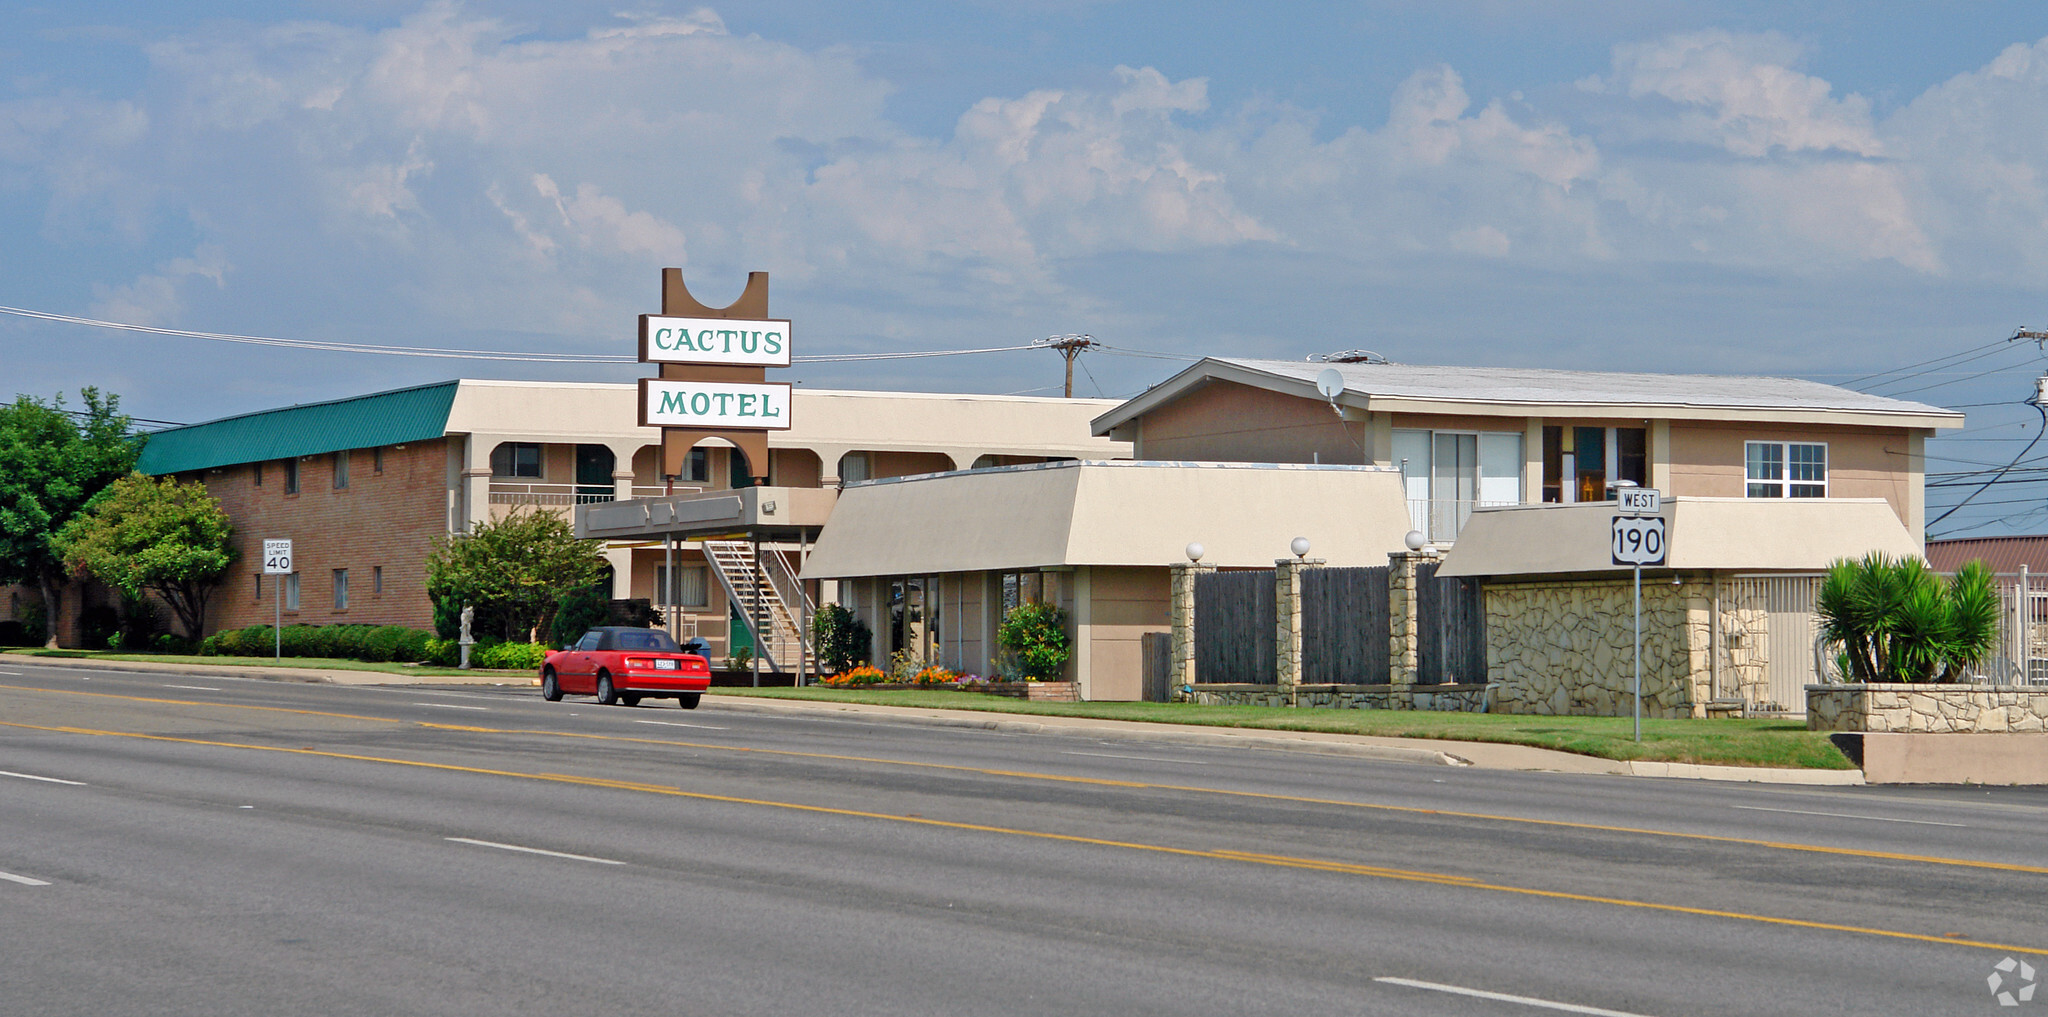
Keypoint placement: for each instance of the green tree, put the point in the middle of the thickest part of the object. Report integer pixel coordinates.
(145, 533)
(1894, 620)
(51, 463)
(1037, 634)
(843, 642)
(517, 569)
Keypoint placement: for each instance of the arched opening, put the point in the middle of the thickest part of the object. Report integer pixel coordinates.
(594, 465)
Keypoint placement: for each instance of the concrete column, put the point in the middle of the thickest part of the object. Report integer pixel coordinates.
(621, 559)
(1180, 580)
(1081, 665)
(1287, 619)
(622, 484)
(1404, 617)
(476, 497)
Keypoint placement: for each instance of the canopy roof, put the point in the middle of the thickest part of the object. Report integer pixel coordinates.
(1110, 513)
(1747, 534)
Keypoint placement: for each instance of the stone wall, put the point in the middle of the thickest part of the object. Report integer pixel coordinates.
(1467, 698)
(1927, 708)
(1567, 647)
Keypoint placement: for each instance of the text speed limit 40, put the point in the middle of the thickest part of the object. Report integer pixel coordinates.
(1638, 540)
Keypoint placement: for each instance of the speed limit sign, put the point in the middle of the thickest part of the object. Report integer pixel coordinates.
(277, 557)
(1638, 540)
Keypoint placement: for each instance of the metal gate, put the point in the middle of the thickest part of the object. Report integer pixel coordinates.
(1234, 623)
(1450, 629)
(1344, 625)
(1791, 625)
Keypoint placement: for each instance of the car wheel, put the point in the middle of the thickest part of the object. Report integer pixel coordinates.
(629, 699)
(550, 688)
(689, 700)
(605, 694)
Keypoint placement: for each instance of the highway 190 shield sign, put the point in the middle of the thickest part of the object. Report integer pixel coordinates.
(1638, 540)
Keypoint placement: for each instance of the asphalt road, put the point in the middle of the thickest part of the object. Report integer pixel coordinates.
(190, 844)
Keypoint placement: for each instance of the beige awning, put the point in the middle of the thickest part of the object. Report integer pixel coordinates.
(1749, 534)
(1110, 513)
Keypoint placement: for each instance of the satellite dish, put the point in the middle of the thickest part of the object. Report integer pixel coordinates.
(1330, 383)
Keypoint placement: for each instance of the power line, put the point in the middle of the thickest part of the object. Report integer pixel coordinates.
(447, 353)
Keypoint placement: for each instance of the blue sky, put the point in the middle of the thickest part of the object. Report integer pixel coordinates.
(1820, 189)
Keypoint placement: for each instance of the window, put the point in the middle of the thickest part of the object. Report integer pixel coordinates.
(341, 589)
(1583, 463)
(256, 476)
(853, 467)
(1786, 469)
(291, 476)
(340, 470)
(259, 586)
(291, 592)
(376, 460)
(689, 588)
(589, 641)
(376, 580)
(1447, 474)
(516, 459)
(697, 466)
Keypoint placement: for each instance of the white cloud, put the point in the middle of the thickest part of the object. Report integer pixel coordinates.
(462, 170)
(1741, 93)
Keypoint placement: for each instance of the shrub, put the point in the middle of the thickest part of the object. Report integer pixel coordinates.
(508, 656)
(842, 641)
(441, 652)
(1894, 620)
(1036, 633)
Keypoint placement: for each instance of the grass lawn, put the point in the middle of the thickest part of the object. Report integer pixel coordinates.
(310, 663)
(1742, 742)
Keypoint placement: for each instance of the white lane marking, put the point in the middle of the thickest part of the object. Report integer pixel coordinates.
(23, 880)
(533, 851)
(31, 776)
(452, 706)
(1503, 997)
(195, 688)
(17, 674)
(677, 723)
(1155, 759)
(1844, 815)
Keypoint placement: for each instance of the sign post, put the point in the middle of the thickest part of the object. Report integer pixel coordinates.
(277, 561)
(1637, 540)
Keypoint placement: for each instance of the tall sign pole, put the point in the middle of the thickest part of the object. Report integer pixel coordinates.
(714, 384)
(277, 561)
(1637, 538)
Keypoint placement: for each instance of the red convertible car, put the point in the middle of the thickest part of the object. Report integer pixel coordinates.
(618, 664)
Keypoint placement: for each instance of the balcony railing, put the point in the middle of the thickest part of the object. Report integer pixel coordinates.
(1441, 519)
(565, 495)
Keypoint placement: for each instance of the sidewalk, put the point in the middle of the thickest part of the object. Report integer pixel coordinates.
(1428, 751)
(282, 674)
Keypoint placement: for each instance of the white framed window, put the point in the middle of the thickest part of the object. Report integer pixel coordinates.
(691, 586)
(341, 470)
(291, 592)
(341, 589)
(1785, 469)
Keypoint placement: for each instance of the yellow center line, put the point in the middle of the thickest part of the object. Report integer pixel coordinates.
(1249, 857)
(1416, 810)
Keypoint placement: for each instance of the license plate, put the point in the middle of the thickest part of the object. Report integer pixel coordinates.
(664, 664)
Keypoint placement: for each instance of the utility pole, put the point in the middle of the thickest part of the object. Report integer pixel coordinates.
(1070, 346)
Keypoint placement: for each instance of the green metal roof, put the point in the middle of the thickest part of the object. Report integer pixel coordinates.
(367, 421)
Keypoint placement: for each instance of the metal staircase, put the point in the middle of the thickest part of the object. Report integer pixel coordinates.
(771, 594)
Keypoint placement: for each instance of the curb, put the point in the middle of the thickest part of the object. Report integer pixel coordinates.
(1752, 774)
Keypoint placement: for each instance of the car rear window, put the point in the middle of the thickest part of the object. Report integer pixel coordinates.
(651, 639)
